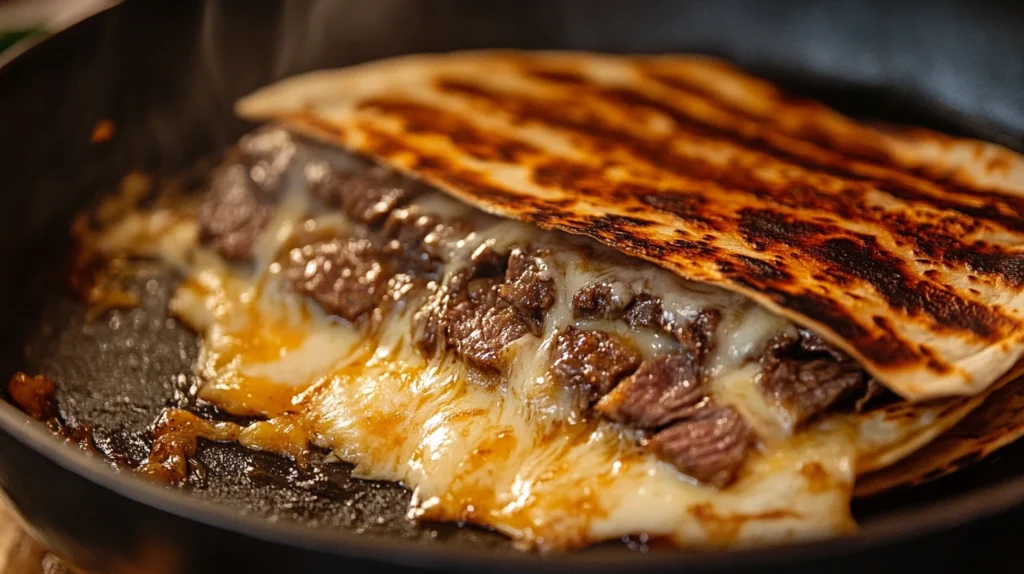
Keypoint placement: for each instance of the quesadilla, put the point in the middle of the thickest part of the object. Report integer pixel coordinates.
(991, 426)
(575, 297)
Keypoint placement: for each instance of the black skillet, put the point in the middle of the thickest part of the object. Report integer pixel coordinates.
(166, 74)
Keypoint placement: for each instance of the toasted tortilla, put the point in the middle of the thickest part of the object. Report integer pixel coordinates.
(502, 456)
(901, 247)
(994, 424)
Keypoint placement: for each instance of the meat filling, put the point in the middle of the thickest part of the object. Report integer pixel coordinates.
(592, 361)
(234, 214)
(486, 307)
(615, 300)
(346, 276)
(478, 325)
(528, 288)
(416, 241)
(243, 193)
(267, 153)
(478, 308)
(368, 195)
(661, 391)
(806, 377)
(709, 447)
(601, 300)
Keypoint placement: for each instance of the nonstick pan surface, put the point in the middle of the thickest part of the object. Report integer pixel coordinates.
(166, 75)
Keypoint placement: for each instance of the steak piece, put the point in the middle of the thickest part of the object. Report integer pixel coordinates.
(593, 361)
(614, 300)
(486, 307)
(244, 191)
(645, 311)
(235, 213)
(710, 447)
(346, 276)
(601, 300)
(485, 261)
(528, 288)
(662, 390)
(806, 388)
(367, 195)
(806, 377)
(412, 239)
(478, 325)
(699, 334)
(267, 154)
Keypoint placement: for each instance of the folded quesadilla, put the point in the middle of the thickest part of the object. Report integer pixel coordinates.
(575, 297)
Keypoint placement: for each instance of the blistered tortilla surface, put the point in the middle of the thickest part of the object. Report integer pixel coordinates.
(901, 246)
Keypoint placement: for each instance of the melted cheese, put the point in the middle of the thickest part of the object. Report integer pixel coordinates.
(517, 452)
(518, 456)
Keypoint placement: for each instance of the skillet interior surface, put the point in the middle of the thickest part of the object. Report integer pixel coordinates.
(167, 74)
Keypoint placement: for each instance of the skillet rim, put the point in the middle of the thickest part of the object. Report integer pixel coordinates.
(886, 531)
(901, 526)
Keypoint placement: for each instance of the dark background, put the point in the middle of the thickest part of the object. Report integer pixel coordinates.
(167, 73)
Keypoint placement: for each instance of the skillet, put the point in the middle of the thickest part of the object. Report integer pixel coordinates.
(166, 75)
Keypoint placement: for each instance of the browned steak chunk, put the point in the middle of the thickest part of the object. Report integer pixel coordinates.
(484, 308)
(662, 390)
(807, 377)
(710, 447)
(413, 240)
(645, 311)
(267, 153)
(366, 195)
(234, 214)
(485, 261)
(479, 325)
(593, 361)
(528, 288)
(244, 191)
(805, 388)
(614, 300)
(601, 300)
(699, 334)
(346, 276)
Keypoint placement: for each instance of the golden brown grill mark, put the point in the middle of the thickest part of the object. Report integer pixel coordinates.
(793, 213)
(813, 133)
(865, 259)
(844, 258)
(1007, 211)
(808, 132)
(886, 349)
(992, 260)
(477, 143)
(849, 203)
(558, 76)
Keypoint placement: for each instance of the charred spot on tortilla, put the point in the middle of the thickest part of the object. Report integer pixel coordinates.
(891, 198)
(573, 297)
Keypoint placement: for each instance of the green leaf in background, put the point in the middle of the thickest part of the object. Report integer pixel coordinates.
(9, 37)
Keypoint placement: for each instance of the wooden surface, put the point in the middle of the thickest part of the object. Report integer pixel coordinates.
(20, 554)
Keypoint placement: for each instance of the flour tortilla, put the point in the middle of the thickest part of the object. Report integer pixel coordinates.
(901, 247)
(994, 424)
